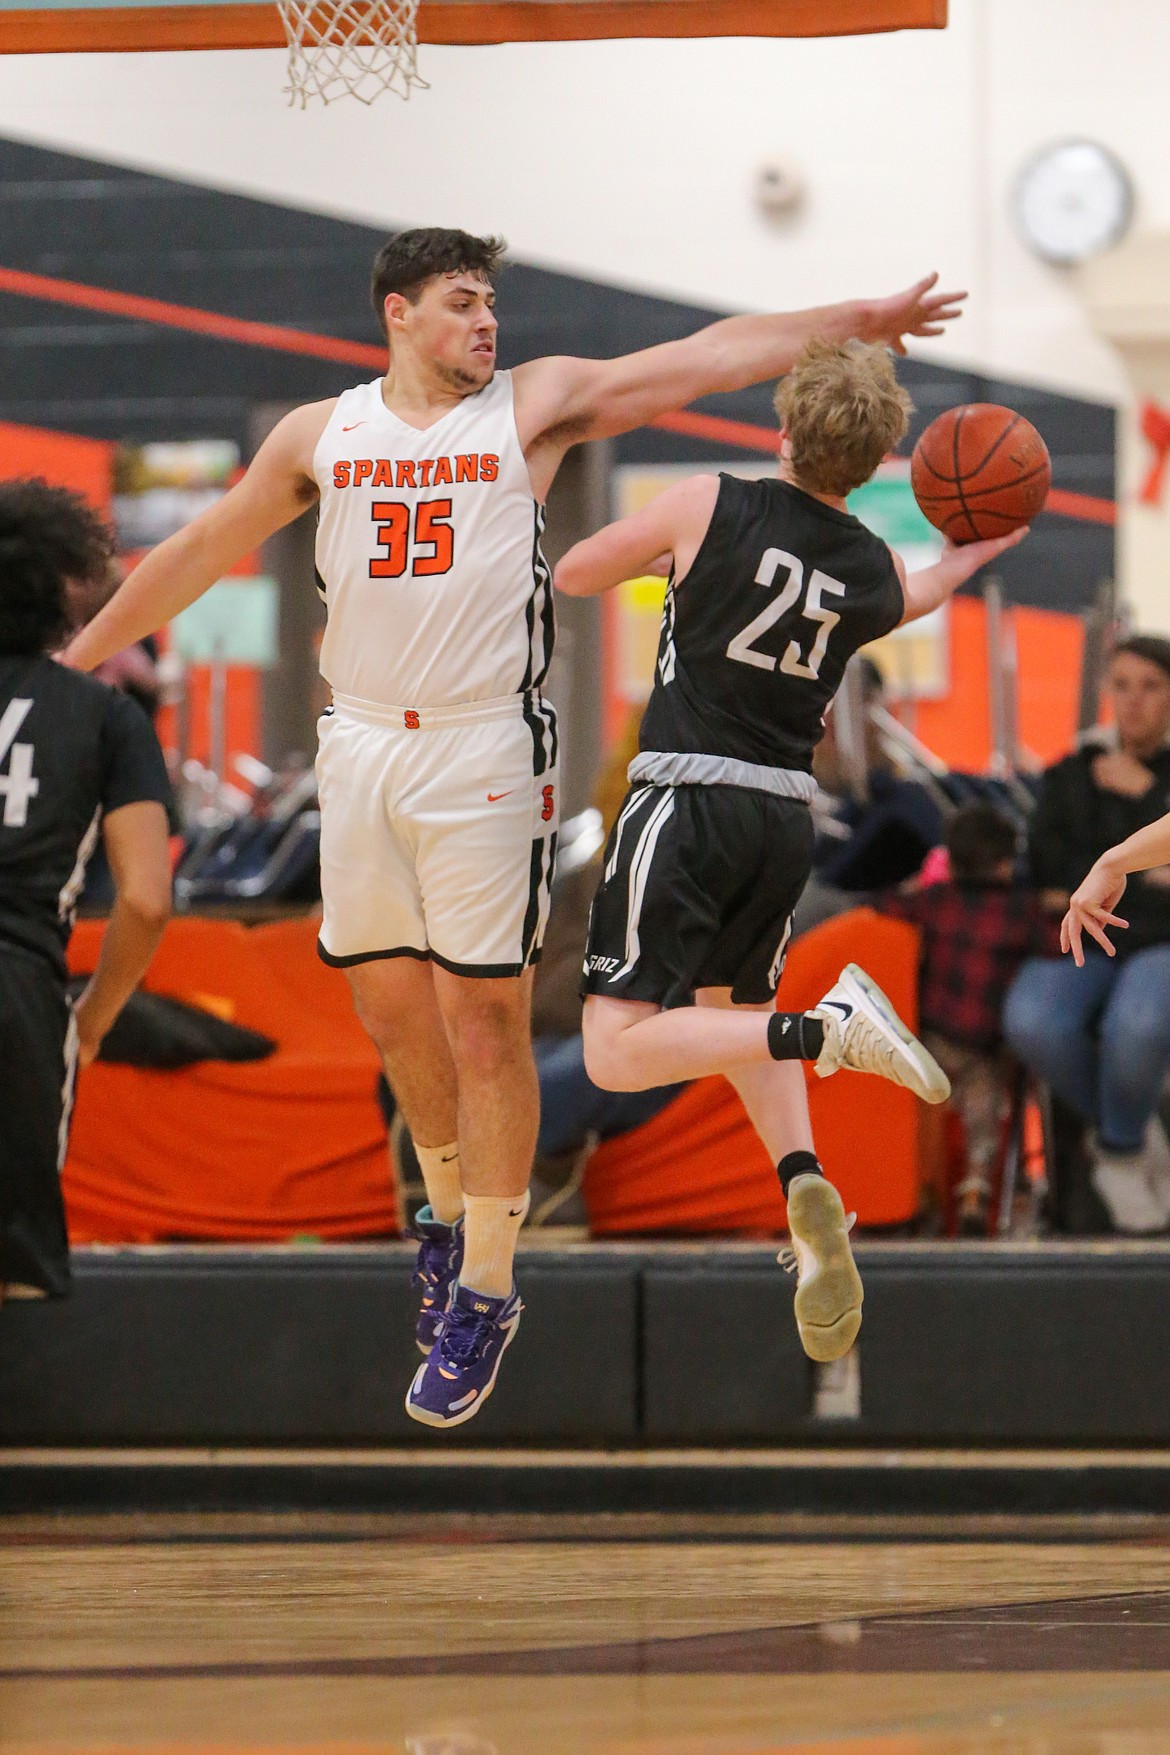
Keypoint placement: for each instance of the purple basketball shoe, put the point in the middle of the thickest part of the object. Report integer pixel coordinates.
(461, 1372)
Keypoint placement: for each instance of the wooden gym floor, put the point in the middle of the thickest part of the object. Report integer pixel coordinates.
(632, 1635)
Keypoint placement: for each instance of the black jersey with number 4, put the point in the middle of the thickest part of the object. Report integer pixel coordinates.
(72, 749)
(756, 637)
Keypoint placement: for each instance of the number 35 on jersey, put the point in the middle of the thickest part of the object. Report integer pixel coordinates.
(418, 538)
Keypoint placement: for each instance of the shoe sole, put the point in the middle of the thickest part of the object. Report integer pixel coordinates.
(424, 1415)
(927, 1078)
(828, 1307)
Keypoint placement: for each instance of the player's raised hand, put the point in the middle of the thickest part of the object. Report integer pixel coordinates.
(968, 557)
(1091, 911)
(917, 311)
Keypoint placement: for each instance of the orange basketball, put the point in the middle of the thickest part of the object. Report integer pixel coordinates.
(979, 471)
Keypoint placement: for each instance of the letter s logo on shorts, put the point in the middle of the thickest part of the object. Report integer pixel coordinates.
(410, 720)
(549, 806)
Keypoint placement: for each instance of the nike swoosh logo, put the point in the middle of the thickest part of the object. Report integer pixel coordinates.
(493, 796)
(516, 1214)
(357, 423)
(837, 1005)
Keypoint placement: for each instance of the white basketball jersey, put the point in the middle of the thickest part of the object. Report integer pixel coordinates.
(429, 549)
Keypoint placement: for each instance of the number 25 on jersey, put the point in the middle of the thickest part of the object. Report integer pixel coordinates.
(428, 548)
(743, 648)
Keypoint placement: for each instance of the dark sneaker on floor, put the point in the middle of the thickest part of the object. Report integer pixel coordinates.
(461, 1372)
(865, 1033)
(440, 1256)
(828, 1285)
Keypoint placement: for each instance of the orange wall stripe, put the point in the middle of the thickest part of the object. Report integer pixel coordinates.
(1086, 506)
(222, 328)
(29, 31)
(726, 432)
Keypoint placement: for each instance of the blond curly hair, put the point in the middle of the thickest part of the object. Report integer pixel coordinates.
(843, 410)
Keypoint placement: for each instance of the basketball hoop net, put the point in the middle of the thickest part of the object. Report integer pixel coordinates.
(355, 48)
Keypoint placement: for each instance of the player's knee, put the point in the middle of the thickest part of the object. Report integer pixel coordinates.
(489, 1035)
(386, 1025)
(1030, 1023)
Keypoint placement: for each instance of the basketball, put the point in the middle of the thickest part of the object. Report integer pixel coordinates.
(980, 471)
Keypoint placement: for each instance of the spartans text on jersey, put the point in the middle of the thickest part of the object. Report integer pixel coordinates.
(409, 472)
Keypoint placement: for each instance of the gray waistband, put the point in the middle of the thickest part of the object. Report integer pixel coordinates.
(657, 768)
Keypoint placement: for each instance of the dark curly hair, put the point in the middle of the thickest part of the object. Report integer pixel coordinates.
(48, 537)
(405, 263)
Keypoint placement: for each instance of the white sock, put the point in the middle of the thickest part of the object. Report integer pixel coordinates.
(489, 1241)
(440, 1173)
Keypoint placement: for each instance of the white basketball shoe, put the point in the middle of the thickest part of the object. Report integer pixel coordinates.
(864, 1033)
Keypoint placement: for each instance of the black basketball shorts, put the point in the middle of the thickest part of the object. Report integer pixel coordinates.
(698, 890)
(38, 1061)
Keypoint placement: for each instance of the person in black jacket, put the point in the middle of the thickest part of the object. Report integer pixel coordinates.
(1100, 1035)
(78, 760)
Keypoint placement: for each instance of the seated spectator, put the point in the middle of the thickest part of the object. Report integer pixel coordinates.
(977, 928)
(1100, 1036)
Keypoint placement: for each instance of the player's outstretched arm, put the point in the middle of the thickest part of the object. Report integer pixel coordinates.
(672, 525)
(276, 489)
(595, 399)
(927, 589)
(1092, 905)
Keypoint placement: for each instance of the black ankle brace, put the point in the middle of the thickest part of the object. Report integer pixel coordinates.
(795, 1164)
(795, 1036)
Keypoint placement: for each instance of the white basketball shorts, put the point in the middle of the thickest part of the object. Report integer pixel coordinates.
(438, 832)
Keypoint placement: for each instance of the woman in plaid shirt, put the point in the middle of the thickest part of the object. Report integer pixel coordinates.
(976, 930)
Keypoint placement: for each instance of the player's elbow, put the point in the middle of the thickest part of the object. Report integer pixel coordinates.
(146, 896)
(603, 1066)
(570, 576)
(607, 1060)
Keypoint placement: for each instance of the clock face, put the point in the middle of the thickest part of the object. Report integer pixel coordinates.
(1073, 200)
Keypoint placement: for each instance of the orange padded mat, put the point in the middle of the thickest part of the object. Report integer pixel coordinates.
(294, 1145)
(263, 1151)
(699, 1167)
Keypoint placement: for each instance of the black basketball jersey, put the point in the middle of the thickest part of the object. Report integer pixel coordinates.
(72, 749)
(756, 637)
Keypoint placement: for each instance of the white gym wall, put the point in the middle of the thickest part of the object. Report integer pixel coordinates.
(634, 162)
